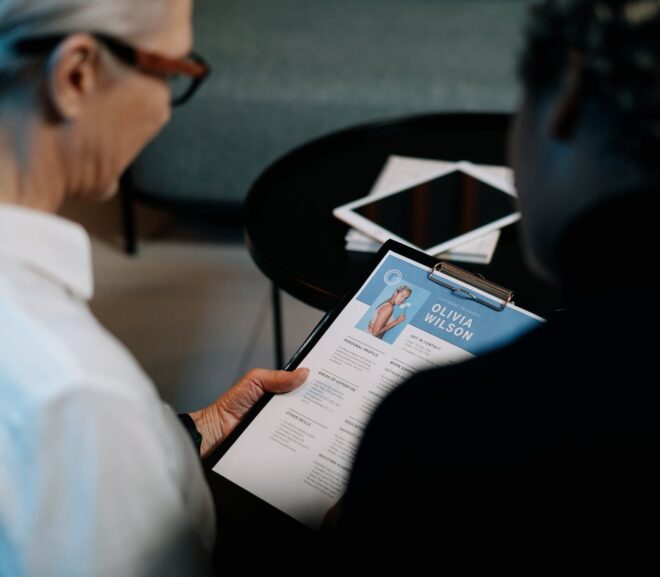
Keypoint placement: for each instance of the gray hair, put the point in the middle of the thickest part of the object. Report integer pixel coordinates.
(20, 19)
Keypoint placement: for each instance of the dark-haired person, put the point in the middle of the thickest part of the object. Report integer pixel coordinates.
(97, 476)
(546, 452)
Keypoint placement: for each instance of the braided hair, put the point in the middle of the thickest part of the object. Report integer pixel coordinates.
(619, 44)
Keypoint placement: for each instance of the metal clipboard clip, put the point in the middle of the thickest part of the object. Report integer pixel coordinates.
(505, 296)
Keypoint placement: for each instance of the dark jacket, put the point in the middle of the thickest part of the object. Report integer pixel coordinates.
(542, 450)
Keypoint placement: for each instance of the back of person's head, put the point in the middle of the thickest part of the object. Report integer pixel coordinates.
(26, 19)
(618, 43)
(588, 130)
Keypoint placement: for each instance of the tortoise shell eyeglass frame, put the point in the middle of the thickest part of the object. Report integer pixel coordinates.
(194, 66)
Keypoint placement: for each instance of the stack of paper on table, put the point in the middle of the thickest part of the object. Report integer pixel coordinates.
(401, 172)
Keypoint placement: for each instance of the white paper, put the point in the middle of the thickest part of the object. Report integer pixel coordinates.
(479, 250)
(297, 453)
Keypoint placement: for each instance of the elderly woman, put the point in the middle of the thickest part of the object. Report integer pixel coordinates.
(97, 476)
(544, 453)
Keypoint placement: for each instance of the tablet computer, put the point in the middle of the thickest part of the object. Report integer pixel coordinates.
(289, 461)
(436, 215)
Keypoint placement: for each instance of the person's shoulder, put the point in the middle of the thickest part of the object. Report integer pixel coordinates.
(482, 381)
(33, 364)
(40, 359)
(43, 376)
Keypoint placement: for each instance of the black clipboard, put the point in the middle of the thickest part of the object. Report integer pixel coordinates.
(236, 505)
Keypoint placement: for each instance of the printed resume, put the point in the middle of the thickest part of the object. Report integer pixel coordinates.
(297, 453)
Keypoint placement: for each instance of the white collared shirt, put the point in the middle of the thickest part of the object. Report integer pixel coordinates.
(97, 476)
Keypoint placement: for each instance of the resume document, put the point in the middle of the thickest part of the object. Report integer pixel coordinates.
(297, 453)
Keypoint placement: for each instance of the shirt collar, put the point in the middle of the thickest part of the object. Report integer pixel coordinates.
(56, 248)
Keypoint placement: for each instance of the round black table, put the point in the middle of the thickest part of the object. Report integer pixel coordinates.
(297, 242)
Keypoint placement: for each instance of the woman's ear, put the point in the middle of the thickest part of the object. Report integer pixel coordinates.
(568, 101)
(72, 75)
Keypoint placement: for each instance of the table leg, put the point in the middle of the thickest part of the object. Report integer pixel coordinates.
(128, 214)
(278, 329)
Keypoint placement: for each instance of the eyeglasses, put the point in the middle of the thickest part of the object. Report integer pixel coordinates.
(183, 75)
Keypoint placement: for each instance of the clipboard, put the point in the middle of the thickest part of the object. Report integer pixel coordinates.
(467, 290)
(501, 295)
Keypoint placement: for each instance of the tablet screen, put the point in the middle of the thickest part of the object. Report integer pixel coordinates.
(436, 211)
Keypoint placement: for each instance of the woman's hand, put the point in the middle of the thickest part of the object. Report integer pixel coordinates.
(217, 420)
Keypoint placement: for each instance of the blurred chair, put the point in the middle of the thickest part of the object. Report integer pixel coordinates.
(288, 71)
